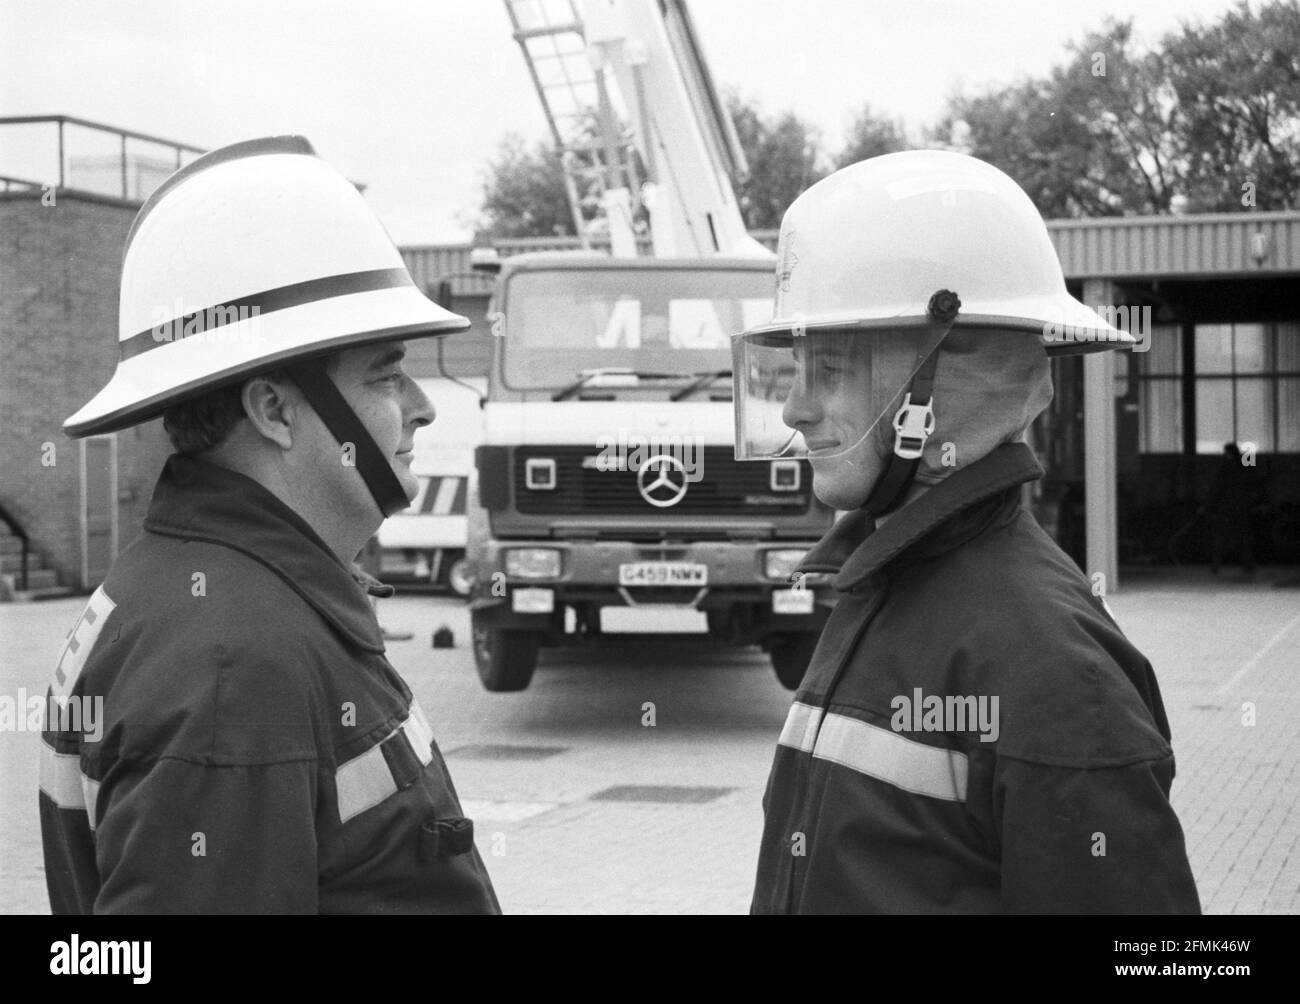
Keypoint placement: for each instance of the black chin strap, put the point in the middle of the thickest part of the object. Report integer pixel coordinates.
(342, 422)
(914, 420)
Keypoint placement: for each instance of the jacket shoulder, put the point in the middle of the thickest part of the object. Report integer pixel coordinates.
(1072, 689)
(212, 659)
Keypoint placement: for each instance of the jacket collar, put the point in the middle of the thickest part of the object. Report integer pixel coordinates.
(933, 523)
(197, 500)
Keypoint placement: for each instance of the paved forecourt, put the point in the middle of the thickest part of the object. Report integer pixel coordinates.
(629, 777)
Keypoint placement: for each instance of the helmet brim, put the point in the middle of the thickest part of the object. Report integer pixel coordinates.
(140, 390)
(1064, 325)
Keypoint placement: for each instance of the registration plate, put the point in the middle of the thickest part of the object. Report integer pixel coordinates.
(663, 573)
(792, 601)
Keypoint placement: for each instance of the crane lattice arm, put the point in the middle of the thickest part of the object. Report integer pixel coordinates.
(633, 109)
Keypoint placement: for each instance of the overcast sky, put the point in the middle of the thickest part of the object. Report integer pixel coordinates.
(412, 96)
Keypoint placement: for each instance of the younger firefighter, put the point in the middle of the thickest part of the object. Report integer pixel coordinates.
(974, 733)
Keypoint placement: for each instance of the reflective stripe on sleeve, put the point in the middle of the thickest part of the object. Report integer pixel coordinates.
(63, 780)
(363, 782)
(366, 780)
(418, 732)
(877, 752)
(90, 791)
(892, 758)
(801, 727)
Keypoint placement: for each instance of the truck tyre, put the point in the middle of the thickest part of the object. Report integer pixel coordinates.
(505, 660)
(460, 576)
(719, 624)
(791, 654)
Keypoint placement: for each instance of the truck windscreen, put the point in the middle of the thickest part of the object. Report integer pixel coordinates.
(653, 320)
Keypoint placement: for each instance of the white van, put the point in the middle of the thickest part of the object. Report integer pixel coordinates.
(425, 543)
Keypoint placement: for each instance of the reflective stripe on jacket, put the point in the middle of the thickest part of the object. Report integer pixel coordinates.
(974, 734)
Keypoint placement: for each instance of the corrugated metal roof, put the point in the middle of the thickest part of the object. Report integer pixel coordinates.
(1223, 245)
(1219, 245)
(431, 263)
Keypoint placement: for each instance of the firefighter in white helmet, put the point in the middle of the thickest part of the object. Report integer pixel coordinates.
(256, 752)
(974, 733)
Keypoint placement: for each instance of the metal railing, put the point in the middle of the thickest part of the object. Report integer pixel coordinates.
(61, 122)
(17, 530)
(8, 184)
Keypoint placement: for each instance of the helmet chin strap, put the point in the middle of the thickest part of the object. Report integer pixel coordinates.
(914, 420)
(323, 395)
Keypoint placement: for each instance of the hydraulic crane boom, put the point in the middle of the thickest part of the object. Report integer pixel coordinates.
(597, 349)
(632, 105)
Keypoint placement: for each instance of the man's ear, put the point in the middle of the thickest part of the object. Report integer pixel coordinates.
(272, 406)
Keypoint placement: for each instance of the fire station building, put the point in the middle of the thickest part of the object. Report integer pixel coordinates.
(1131, 442)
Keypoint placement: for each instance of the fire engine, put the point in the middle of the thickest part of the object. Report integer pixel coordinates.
(608, 495)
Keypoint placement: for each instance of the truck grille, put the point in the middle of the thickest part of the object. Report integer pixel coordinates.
(727, 487)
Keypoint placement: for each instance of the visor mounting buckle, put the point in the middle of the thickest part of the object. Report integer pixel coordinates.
(913, 424)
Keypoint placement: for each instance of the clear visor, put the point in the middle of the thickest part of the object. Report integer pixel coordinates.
(821, 394)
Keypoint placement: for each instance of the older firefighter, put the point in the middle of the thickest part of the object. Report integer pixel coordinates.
(974, 733)
(258, 752)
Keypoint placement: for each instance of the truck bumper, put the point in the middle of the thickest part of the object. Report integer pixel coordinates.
(737, 595)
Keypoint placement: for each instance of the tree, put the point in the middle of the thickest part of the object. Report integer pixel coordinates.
(783, 155)
(1019, 130)
(1187, 125)
(1238, 90)
(1123, 99)
(524, 193)
(1093, 138)
(870, 136)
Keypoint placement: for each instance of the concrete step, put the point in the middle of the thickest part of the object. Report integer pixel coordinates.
(44, 593)
(42, 578)
(14, 562)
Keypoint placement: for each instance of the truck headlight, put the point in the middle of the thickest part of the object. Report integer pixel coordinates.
(782, 564)
(533, 563)
(539, 474)
(784, 476)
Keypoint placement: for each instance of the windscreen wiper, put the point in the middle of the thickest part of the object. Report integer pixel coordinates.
(704, 379)
(586, 376)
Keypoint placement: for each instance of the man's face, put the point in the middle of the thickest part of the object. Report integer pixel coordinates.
(389, 404)
(831, 404)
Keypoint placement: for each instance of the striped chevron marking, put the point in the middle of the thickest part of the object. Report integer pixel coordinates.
(439, 495)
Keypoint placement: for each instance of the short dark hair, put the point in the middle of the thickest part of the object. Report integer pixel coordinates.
(201, 423)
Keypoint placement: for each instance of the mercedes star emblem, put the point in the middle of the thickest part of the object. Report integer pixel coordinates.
(668, 486)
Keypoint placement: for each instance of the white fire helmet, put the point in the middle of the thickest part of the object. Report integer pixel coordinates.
(253, 257)
(919, 242)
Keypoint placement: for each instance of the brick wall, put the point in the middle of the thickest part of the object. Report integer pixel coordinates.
(59, 271)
